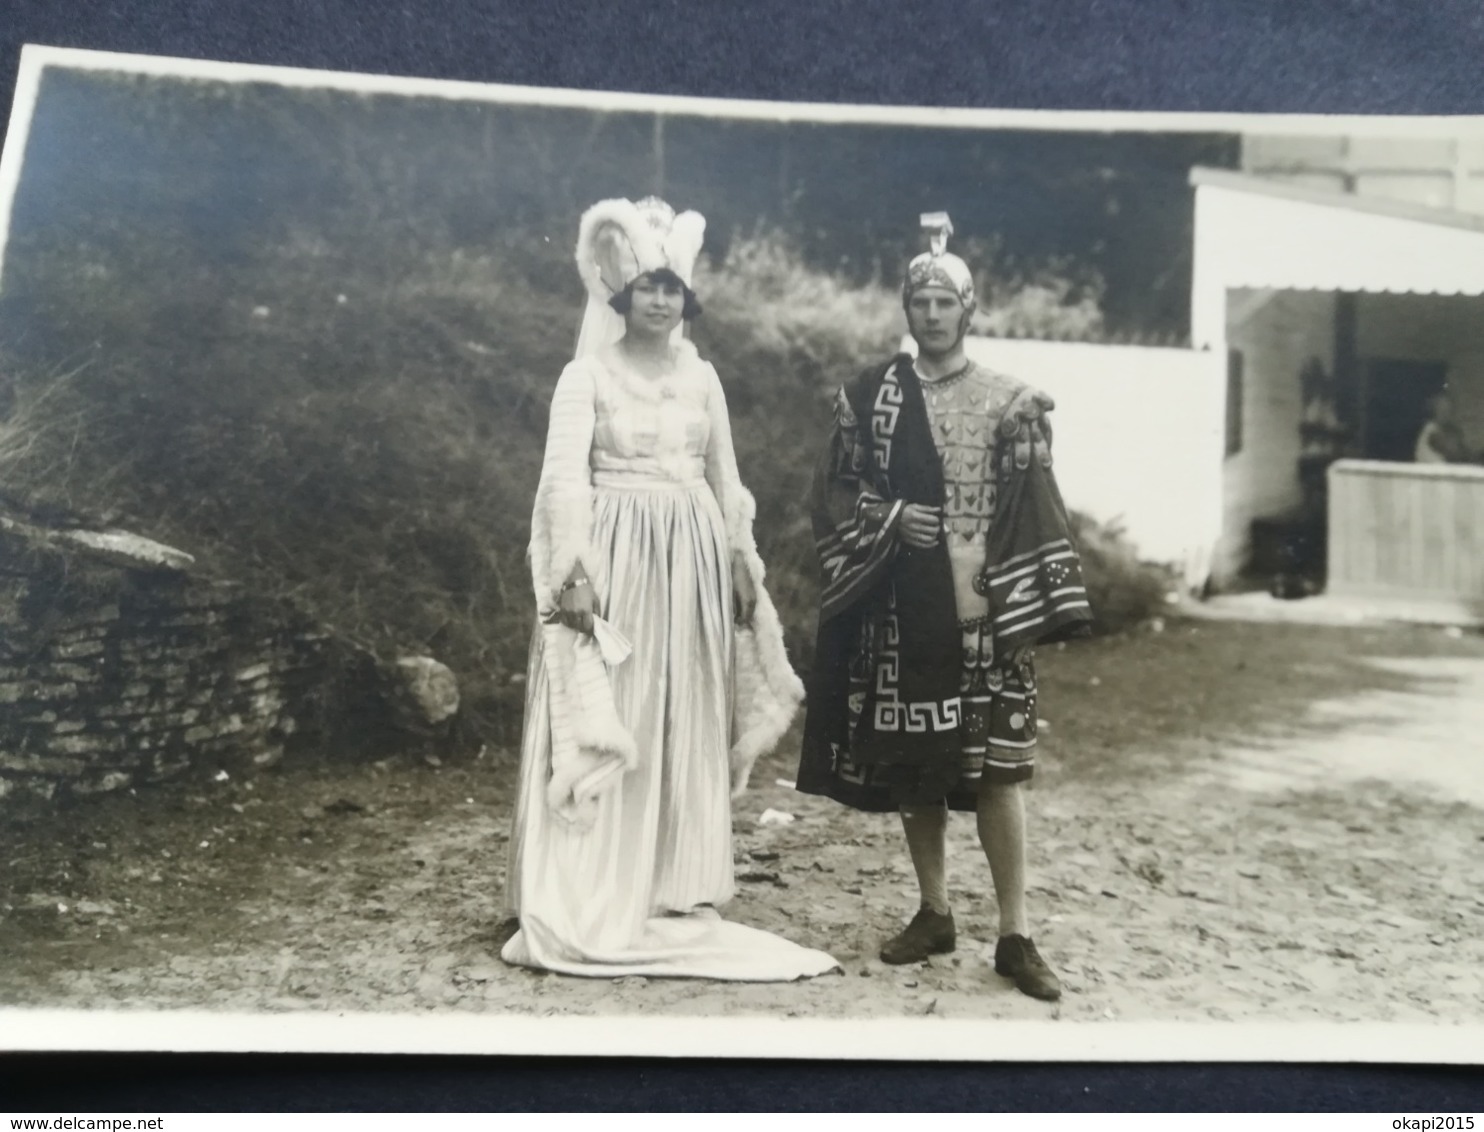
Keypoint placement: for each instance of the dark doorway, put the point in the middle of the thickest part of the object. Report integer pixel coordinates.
(1396, 394)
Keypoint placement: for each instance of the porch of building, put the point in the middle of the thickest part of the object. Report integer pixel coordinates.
(1339, 319)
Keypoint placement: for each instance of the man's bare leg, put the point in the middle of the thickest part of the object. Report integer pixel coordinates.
(1001, 814)
(931, 930)
(926, 828)
(1002, 835)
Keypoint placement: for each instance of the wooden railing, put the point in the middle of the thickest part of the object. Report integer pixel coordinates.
(1406, 530)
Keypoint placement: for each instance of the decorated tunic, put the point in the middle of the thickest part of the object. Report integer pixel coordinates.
(924, 680)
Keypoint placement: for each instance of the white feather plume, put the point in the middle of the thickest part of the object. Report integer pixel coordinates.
(614, 238)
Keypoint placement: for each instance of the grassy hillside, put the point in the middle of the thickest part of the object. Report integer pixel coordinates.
(361, 427)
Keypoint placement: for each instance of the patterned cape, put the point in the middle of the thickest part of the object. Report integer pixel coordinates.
(897, 700)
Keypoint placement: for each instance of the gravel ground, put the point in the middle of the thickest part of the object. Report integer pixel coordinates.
(1232, 822)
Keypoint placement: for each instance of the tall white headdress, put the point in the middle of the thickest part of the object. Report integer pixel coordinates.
(620, 240)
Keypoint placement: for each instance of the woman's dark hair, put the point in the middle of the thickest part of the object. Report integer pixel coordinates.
(623, 302)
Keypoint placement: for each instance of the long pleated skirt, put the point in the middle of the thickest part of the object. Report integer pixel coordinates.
(637, 891)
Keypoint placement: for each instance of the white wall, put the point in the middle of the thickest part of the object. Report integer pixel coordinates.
(1138, 437)
(1261, 480)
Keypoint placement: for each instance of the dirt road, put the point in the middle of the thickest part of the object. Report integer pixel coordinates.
(1231, 822)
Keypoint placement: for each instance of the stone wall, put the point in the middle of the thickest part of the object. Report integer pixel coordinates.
(120, 669)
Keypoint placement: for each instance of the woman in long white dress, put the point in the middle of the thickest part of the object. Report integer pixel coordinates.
(657, 672)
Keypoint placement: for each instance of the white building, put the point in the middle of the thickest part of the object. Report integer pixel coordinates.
(1337, 284)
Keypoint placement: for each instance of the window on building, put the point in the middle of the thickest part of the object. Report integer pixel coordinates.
(1234, 402)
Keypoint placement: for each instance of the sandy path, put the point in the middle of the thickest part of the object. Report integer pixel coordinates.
(1327, 875)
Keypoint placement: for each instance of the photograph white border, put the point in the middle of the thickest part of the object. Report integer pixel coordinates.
(806, 1039)
(926, 1040)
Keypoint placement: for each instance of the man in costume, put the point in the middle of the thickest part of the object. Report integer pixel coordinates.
(946, 556)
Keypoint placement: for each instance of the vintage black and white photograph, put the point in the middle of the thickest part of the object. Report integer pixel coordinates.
(482, 561)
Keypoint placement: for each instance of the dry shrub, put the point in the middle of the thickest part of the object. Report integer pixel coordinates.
(1123, 591)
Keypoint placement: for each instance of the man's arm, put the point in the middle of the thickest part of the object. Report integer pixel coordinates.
(1026, 429)
(1032, 575)
(856, 525)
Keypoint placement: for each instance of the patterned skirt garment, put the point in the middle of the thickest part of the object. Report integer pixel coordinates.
(637, 891)
(997, 730)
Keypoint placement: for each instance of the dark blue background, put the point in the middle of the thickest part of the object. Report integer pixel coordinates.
(1338, 56)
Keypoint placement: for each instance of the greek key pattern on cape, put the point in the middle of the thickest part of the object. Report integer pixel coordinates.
(894, 714)
(884, 419)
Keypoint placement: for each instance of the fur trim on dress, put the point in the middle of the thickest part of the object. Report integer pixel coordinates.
(767, 691)
(590, 747)
(561, 544)
(562, 515)
(740, 511)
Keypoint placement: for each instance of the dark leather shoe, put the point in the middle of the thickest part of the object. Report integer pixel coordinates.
(1015, 957)
(929, 933)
